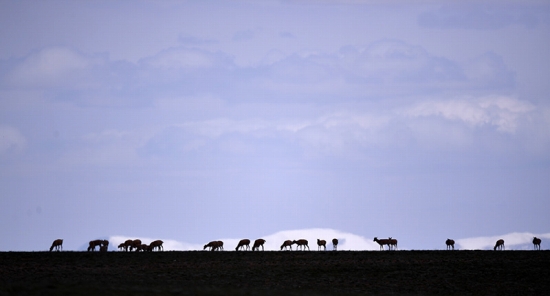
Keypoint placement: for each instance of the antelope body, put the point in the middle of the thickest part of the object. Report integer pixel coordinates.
(243, 244)
(301, 243)
(258, 243)
(321, 243)
(156, 244)
(287, 243)
(382, 242)
(536, 243)
(450, 244)
(499, 245)
(57, 245)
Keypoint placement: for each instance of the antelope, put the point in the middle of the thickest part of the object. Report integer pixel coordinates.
(258, 243)
(287, 243)
(393, 243)
(382, 242)
(127, 244)
(156, 244)
(499, 245)
(450, 244)
(321, 243)
(209, 245)
(142, 247)
(121, 246)
(94, 243)
(57, 244)
(135, 244)
(218, 245)
(103, 248)
(536, 243)
(334, 244)
(243, 243)
(301, 243)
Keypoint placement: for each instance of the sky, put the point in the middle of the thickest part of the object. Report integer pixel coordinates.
(193, 121)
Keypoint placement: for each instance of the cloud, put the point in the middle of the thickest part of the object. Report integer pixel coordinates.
(512, 241)
(186, 58)
(11, 140)
(500, 111)
(347, 241)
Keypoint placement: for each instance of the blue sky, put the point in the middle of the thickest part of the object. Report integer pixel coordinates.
(192, 121)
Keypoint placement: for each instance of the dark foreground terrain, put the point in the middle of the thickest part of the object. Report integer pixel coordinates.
(276, 273)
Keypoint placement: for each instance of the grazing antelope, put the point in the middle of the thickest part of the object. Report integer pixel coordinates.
(287, 243)
(135, 244)
(382, 242)
(321, 243)
(243, 243)
(218, 245)
(103, 248)
(334, 244)
(57, 244)
(450, 244)
(392, 243)
(258, 243)
(94, 243)
(301, 243)
(499, 245)
(209, 245)
(536, 243)
(126, 244)
(121, 246)
(142, 248)
(156, 244)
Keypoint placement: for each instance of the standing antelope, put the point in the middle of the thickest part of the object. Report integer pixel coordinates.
(135, 244)
(392, 243)
(127, 244)
(499, 245)
(287, 243)
(301, 243)
(94, 243)
(334, 244)
(258, 243)
(382, 242)
(450, 244)
(156, 244)
(121, 246)
(57, 244)
(536, 243)
(243, 244)
(103, 248)
(321, 243)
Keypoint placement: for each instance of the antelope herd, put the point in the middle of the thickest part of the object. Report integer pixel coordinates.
(136, 245)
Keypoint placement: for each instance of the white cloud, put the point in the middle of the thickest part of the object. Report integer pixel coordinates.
(347, 241)
(514, 240)
(11, 140)
(500, 111)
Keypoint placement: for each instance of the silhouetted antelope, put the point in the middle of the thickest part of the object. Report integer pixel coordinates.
(243, 244)
(301, 243)
(321, 243)
(499, 245)
(218, 245)
(156, 244)
(135, 245)
(103, 248)
(536, 243)
(94, 243)
(257, 244)
(287, 243)
(334, 244)
(392, 243)
(382, 242)
(450, 244)
(57, 244)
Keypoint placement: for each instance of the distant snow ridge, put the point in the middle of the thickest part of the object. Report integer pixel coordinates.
(512, 241)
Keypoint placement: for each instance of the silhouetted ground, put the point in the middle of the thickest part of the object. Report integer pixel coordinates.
(276, 273)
